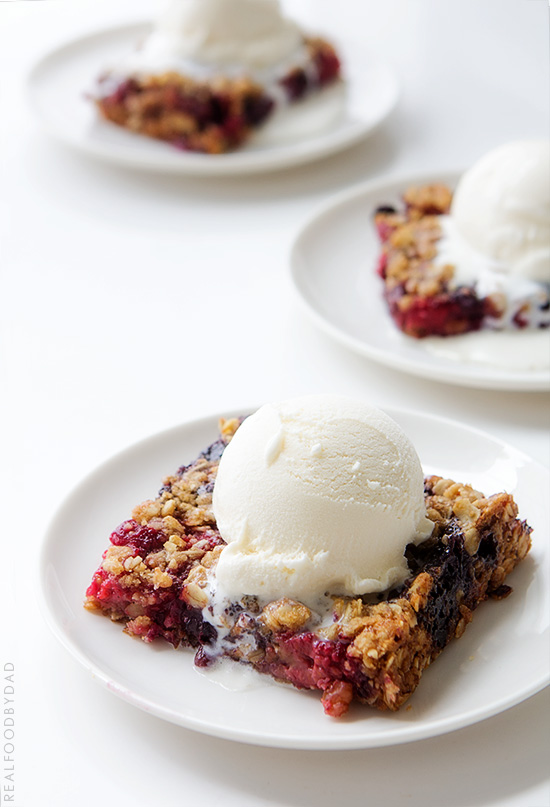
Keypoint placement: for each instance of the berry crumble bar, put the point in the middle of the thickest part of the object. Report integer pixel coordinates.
(211, 115)
(423, 294)
(154, 579)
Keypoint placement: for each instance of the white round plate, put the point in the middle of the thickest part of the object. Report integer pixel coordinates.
(58, 85)
(501, 659)
(333, 263)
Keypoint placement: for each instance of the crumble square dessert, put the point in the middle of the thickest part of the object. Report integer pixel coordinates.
(421, 288)
(212, 115)
(155, 579)
(210, 72)
(478, 258)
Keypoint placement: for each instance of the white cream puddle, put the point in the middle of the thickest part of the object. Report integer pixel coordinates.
(233, 676)
(508, 350)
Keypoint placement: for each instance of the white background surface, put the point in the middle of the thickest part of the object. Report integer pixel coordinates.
(132, 302)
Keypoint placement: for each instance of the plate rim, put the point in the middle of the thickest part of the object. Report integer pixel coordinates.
(400, 735)
(497, 380)
(199, 165)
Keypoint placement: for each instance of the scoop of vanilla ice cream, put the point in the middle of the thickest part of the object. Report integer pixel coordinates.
(501, 207)
(249, 33)
(317, 494)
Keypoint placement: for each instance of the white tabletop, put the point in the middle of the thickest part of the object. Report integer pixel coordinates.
(136, 301)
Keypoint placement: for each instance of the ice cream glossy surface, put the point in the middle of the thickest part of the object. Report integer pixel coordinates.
(229, 36)
(501, 207)
(317, 494)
